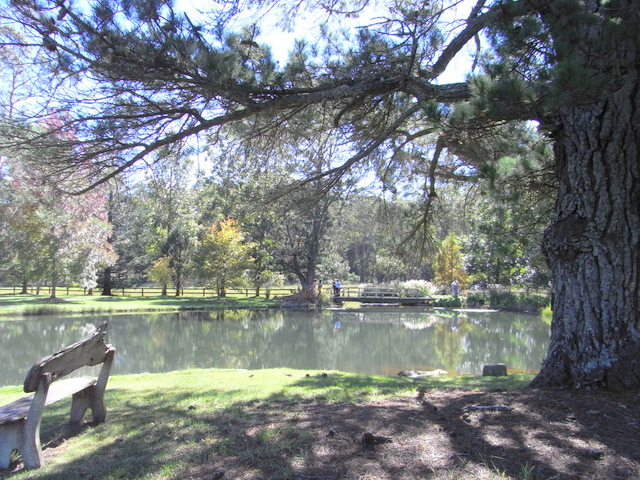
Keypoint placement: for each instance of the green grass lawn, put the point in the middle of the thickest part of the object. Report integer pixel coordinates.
(168, 426)
(12, 305)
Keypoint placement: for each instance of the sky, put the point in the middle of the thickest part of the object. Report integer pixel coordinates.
(282, 42)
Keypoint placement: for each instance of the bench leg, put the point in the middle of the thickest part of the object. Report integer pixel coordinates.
(79, 405)
(10, 434)
(88, 398)
(98, 408)
(30, 448)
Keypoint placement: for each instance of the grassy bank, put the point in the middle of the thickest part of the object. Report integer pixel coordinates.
(17, 305)
(190, 424)
(12, 305)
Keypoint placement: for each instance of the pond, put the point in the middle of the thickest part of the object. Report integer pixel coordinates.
(376, 340)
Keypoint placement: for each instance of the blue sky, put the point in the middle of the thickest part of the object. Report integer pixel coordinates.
(282, 42)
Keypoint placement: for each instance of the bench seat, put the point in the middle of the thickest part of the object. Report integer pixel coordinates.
(60, 390)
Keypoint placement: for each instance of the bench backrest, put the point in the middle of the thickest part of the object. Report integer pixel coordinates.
(88, 352)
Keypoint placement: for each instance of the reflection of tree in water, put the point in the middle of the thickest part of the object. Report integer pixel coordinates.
(513, 339)
(447, 341)
(378, 341)
(26, 341)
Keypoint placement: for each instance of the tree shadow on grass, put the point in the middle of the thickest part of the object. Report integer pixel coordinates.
(533, 434)
(311, 431)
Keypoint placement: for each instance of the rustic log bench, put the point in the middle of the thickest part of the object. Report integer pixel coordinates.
(20, 420)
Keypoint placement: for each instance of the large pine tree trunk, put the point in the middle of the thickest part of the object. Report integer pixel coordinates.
(593, 247)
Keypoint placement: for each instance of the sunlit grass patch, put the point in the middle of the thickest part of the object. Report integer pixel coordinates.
(168, 426)
(31, 305)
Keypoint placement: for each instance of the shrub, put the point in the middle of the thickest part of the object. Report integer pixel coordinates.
(521, 302)
(475, 300)
(532, 303)
(448, 301)
(324, 300)
(502, 299)
(424, 286)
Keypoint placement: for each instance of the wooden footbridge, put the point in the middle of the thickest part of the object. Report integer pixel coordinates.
(383, 296)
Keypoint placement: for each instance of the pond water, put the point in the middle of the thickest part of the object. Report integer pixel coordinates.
(375, 340)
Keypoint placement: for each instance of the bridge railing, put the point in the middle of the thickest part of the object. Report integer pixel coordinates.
(380, 292)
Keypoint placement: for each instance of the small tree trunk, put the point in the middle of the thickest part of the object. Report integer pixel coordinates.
(106, 279)
(593, 248)
(54, 278)
(106, 282)
(178, 280)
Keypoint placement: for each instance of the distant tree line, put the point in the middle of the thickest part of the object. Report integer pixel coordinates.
(176, 226)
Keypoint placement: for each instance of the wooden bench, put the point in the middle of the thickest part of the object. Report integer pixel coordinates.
(20, 420)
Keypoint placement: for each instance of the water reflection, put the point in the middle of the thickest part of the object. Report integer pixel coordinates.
(381, 341)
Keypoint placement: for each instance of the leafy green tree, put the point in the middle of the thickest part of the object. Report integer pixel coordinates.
(357, 232)
(239, 193)
(134, 236)
(92, 250)
(162, 273)
(506, 221)
(261, 271)
(449, 263)
(367, 231)
(301, 232)
(179, 248)
(286, 218)
(154, 217)
(22, 243)
(73, 239)
(223, 256)
(54, 236)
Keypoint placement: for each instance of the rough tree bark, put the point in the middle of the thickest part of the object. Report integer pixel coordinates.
(592, 247)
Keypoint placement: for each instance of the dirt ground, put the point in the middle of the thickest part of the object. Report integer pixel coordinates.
(440, 434)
